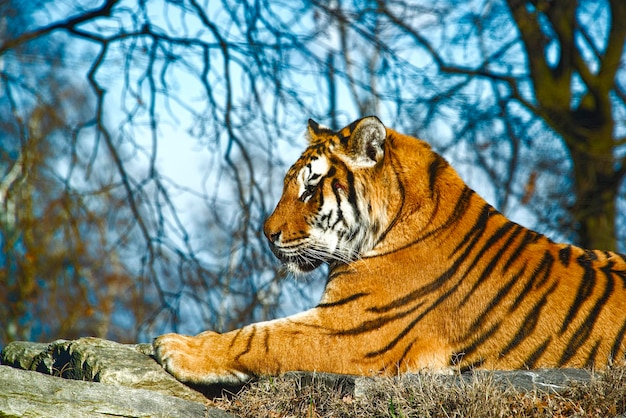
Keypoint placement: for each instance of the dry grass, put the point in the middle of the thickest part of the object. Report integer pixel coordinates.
(425, 396)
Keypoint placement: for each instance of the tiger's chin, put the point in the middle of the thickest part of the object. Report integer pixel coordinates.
(296, 263)
(300, 266)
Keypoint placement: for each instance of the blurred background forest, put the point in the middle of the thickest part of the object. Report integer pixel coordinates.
(100, 236)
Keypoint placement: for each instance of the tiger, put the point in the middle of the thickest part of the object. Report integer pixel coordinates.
(423, 275)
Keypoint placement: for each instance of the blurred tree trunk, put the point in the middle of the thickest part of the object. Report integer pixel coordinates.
(586, 124)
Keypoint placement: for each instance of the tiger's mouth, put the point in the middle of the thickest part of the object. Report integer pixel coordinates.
(295, 261)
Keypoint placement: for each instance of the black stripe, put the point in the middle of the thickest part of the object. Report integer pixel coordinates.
(411, 325)
(266, 340)
(565, 255)
(585, 290)
(525, 291)
(469, 367)
(393, 222)
(320, 195)
(531, 360)
(591, 359)
(343, 301)
(499, 234)
(376, 324)
(461, 206)
(447, 275)
(618, 343)
(434, 170)
(529, 323)
(316, 149)
(460, 209)
(478, 341)
(337, 272)
(494, 259)
(340, 217)
(352, 197)
(545, 266)
(504, 290)
(476, 231)
(582, 334)
(235, 338)
(406, 351)
(249, 339)
(396, 340)
(529, 237)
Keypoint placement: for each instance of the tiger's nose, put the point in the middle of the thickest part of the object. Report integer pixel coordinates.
(273, 237)
(271, 233)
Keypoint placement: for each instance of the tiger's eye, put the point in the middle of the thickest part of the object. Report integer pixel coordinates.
(308, 192)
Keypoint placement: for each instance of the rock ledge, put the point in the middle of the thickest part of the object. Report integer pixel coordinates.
(91, 377)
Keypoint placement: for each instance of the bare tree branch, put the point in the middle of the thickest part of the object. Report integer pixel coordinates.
(69, 24)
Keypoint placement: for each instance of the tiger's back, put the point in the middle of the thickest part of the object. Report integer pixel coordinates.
(498, 296)
(424, 274)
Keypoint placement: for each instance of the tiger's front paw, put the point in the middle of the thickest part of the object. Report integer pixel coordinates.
(196, 359)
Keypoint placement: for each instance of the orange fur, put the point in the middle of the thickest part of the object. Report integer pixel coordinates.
(424, 274)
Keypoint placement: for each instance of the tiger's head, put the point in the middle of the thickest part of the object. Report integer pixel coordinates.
(332, 208)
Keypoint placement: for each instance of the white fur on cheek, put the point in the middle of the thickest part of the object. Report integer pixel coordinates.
(339, 230)
(316, 168)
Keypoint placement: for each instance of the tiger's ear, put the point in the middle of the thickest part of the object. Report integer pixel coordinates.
(315, 130)
(314, 127)
(366, 143)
